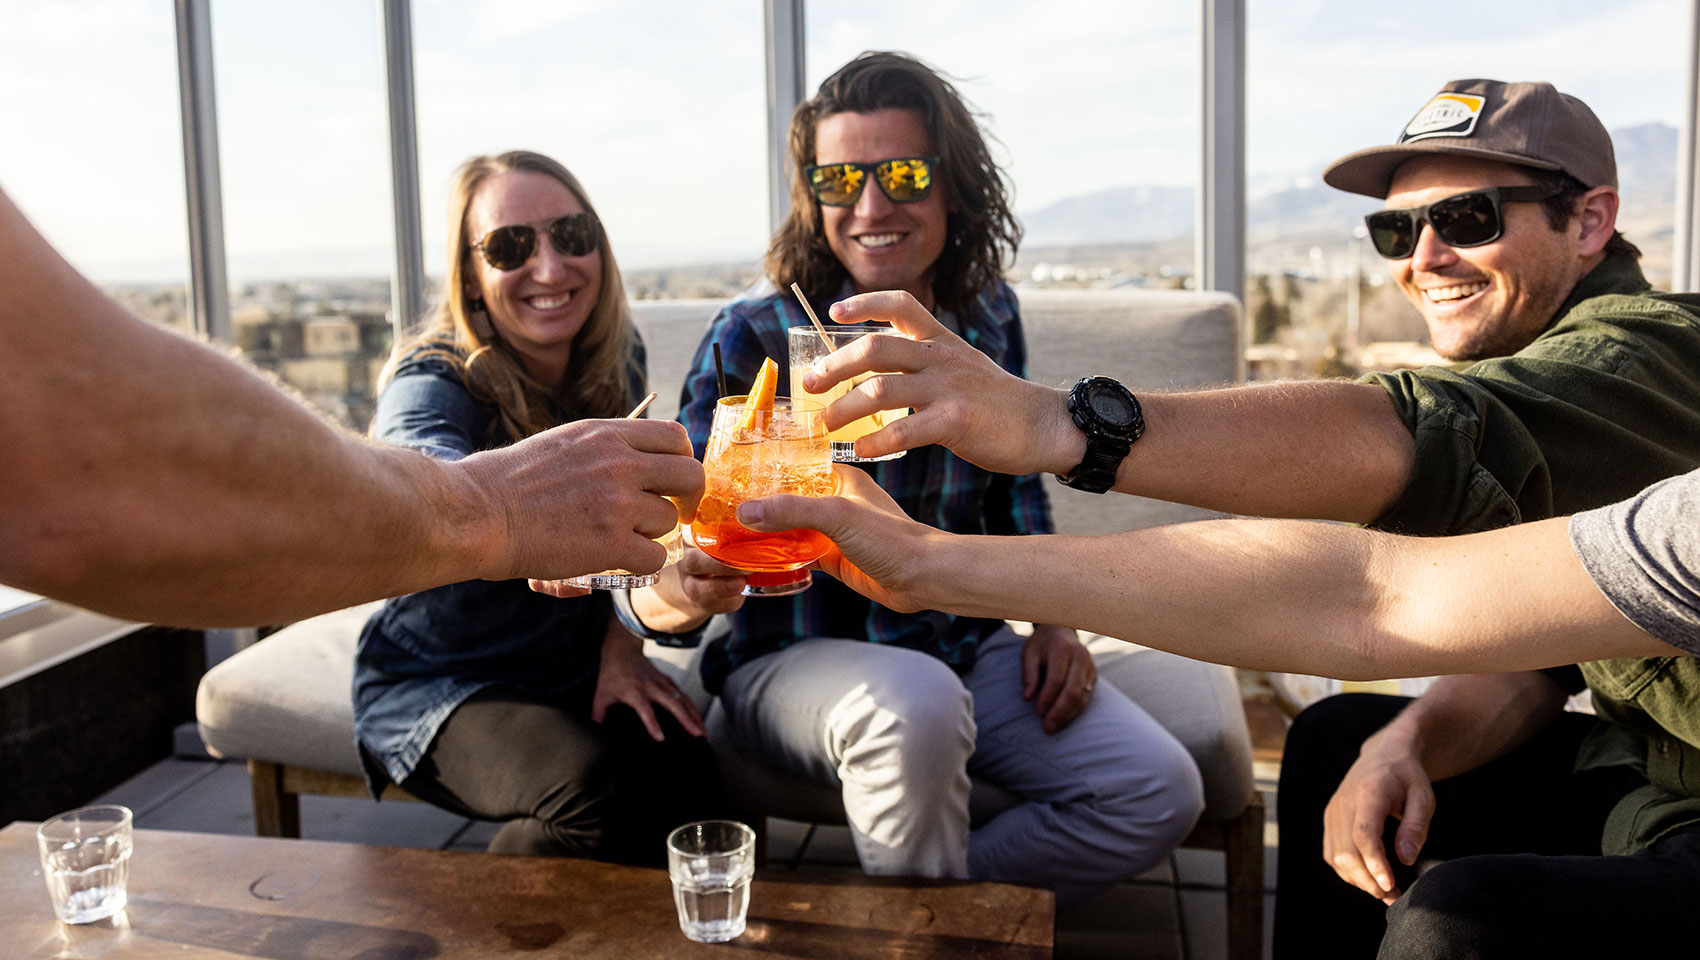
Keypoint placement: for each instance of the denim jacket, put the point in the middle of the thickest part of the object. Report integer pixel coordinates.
(425, 653)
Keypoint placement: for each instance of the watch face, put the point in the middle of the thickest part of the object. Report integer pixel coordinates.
(1110, 405)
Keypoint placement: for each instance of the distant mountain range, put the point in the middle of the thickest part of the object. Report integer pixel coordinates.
(1646, 163)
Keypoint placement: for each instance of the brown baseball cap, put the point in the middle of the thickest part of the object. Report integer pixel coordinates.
(1531, 124)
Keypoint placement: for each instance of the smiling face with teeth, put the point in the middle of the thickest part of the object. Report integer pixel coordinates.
(883, 245)
(539, 308)
(1491, 300)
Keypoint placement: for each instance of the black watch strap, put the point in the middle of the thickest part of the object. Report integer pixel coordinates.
(1109, 435)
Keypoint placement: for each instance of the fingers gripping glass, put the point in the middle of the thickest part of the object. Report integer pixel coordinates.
(902, 179)
(1461, 220)
(508, 248)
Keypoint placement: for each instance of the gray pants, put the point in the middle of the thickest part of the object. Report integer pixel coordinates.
(1108, 796)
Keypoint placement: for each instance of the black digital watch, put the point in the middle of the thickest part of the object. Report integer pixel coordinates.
(1109, 415)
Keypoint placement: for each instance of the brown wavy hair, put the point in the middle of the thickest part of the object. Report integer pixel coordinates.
(598, 378)
(981, 230)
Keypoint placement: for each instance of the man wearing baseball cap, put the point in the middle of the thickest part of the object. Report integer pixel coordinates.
(1582, 388)
(1501, 202)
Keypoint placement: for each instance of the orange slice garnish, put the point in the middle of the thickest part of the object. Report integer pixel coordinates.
(761, 395)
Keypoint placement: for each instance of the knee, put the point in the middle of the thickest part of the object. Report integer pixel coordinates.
(1156, 801)
(1468, 907)
(925, 712)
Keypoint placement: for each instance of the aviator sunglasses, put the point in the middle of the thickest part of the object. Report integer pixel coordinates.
(902, 179)
(1461, 220)
(508, 248)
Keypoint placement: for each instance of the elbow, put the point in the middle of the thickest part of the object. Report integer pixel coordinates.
(1368, 652)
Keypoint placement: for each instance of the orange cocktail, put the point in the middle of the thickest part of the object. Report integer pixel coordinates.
(780, 451)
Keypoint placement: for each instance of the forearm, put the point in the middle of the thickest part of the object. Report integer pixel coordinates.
(664, 608)
(1327, 450)
(169, 520)
(1300, 597)
(128, 492)
(1464, 721)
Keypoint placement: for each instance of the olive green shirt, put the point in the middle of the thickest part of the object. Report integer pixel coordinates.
(1602, 404)
(1605, 402)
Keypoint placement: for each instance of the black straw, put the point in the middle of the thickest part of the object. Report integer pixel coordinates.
(719, 371)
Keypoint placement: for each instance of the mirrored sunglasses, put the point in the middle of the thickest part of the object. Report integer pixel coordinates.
(1462, 220)
(902, 179)
(508, 248)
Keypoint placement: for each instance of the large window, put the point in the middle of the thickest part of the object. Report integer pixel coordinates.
(657, 106)
(92, 148)
(304, 156)
(1096, 109)
(1326, 78)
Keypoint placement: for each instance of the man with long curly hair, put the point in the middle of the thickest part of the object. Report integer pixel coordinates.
(893, 188)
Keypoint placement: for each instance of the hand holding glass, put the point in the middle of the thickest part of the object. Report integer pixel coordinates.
(625, 579)
(809, 346)
(673, 541)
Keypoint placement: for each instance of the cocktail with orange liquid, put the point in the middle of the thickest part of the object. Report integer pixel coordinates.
(757, 453)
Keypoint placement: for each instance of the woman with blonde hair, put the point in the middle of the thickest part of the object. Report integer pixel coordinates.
(484, 697)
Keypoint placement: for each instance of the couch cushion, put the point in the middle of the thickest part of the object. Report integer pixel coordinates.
(288, 699)
(1199, 703)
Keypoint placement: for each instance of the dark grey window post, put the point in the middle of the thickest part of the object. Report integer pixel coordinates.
(1221, 189)
(783, 23)
(1221, 206)
(1685, 266)
(407, 280)
(209, 285)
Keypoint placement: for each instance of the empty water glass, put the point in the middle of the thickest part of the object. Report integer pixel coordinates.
(85, 858)
(711, 864)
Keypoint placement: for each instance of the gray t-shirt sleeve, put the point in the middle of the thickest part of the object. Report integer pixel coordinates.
(1644, 554)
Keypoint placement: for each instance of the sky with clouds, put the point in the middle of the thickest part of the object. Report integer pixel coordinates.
(658, 105)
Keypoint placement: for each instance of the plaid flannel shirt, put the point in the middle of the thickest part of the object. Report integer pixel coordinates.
(932, 485)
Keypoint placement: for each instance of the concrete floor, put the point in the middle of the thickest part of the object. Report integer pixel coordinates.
(1174, 912)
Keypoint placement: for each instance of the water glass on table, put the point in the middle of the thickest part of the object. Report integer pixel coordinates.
(85, 858)
(711, 864)
(809, 346)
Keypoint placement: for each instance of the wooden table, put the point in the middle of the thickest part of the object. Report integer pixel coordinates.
(195, 896)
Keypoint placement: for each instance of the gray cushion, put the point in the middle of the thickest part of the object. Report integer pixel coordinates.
(1199, 703)
(287, 699)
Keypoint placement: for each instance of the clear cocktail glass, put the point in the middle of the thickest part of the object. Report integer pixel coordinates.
(809, 346)
(780, 451)
(625, 579)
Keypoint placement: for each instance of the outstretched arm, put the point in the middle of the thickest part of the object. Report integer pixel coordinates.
(1328, 449)
(155, 478)
(1278, 595)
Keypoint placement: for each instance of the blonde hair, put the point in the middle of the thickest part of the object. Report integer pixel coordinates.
(598, 382)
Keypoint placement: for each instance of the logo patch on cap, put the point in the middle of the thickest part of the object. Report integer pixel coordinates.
(1447, 115)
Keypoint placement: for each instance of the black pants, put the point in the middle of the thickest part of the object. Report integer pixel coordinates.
(1517, 840)
(564, 785)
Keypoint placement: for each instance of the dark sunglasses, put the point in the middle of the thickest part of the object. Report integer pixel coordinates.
(508, 248)
(1462, 220)
(902, 179)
